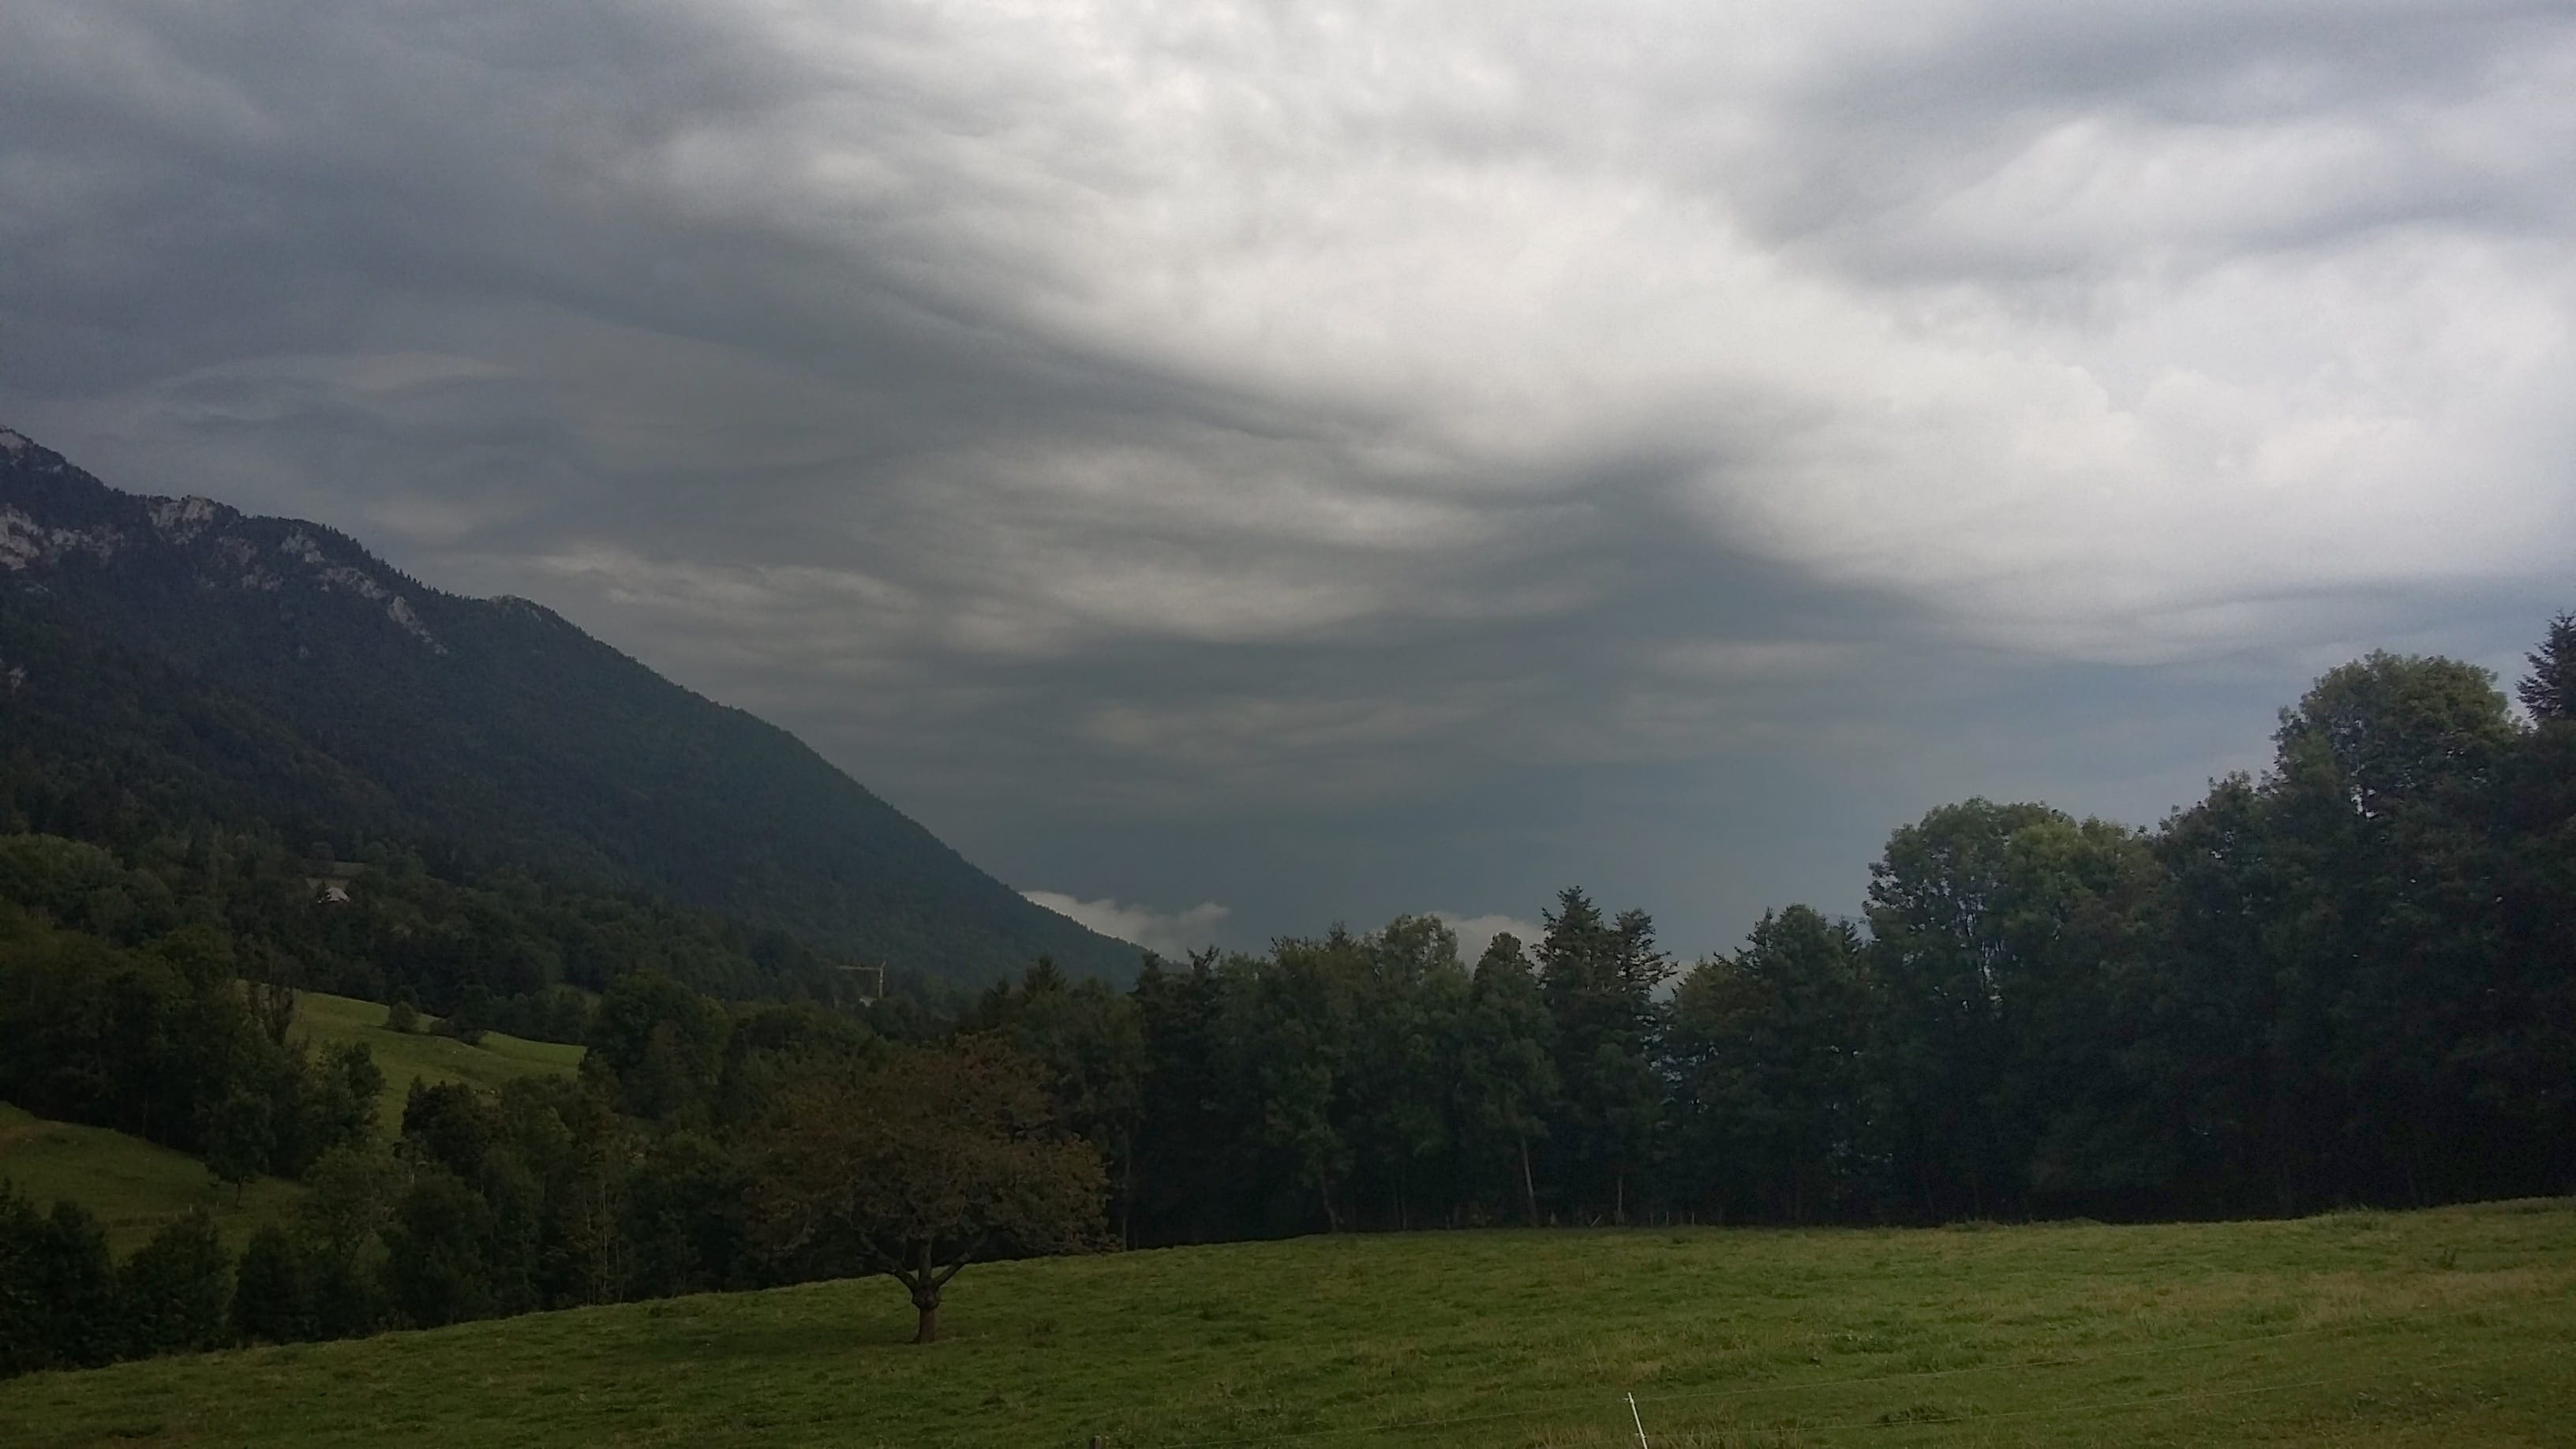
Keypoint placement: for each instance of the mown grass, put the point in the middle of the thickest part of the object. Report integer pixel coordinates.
(135, 1186)
(132, 1185)
(328, 1020)
(2364, 1329)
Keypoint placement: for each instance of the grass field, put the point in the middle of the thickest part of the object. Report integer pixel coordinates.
(2453, 1327)
(332, 1020)
(135, 1186)
(132, 1185)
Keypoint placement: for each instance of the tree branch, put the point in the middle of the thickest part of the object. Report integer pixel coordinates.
(964, 1256)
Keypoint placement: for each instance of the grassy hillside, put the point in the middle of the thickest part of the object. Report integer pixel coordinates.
(2356, 1329)
(132, 1185)
(333, 1020)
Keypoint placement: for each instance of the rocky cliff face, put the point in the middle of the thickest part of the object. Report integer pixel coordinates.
(215, 547)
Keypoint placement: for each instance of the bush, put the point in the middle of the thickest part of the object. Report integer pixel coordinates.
(74, 1283)
(272, 1294)
(176, 1289)
(24, 1347)
(439, 1266)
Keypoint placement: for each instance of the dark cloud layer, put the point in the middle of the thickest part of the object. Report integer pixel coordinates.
(1234, 466)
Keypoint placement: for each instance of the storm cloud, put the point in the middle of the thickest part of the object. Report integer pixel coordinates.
(1336, 460)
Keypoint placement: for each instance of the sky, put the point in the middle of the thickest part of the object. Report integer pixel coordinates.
(1230, 468)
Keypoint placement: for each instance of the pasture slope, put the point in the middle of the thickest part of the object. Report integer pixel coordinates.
(131, 1185)
(327, 1020)
(135, 1186)
(2452, 1327)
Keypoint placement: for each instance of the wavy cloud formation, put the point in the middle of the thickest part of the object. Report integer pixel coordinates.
(1211, 427)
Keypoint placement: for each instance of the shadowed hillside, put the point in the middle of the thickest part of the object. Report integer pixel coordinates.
(177, 654)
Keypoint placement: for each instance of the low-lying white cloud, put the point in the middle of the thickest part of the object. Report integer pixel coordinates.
(1172, 935)
(1475, 933)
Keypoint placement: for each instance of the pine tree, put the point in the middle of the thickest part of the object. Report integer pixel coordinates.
(75, 1281)
(2549, 691)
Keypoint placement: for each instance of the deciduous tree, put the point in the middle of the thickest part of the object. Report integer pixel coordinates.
(924, 1165)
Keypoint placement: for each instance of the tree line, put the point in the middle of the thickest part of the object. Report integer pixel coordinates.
(700, 1148)
(169, 1045)
(2351, 979)
(500, 949)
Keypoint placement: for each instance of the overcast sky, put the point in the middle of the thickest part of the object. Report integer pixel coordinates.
(1242, 466)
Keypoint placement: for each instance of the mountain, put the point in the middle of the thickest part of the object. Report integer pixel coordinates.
(175, 657)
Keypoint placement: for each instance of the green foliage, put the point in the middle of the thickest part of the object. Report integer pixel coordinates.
(2549, 690)
(159, 1044)
(238, 1140)
(25, 1315)
(62, 1257)
(272, 1293)
(659, 1046)
(1767, 1049)
(175, 1294)
(498, 951)
(917, 1168)
(1088, 1046)
(447, 1257)
(1599, 978)
(1505, 1077)
(682, 1218)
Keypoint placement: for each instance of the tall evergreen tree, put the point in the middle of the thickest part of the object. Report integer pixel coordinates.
(2549, 690)
(1599, 978)
(1766, 1054)
(1507, 1080)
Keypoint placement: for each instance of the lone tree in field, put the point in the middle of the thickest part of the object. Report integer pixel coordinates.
(917, 1168)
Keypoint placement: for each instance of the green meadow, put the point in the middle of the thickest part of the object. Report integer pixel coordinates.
(403, 1056)
(134, 1186)
(2451, 1327)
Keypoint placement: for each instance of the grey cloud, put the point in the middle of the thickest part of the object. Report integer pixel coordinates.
(1326, 459)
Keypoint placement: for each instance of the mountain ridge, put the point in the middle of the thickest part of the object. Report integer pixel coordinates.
(277, 665)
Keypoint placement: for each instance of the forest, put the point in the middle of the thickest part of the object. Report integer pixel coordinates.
(2348, 981)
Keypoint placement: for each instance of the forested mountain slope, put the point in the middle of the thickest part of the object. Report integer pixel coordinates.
(174, 657)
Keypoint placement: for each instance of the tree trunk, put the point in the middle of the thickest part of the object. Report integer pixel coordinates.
(1619, 1200)
(1529, 1189)
(925, 1283)
(927, 1301)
